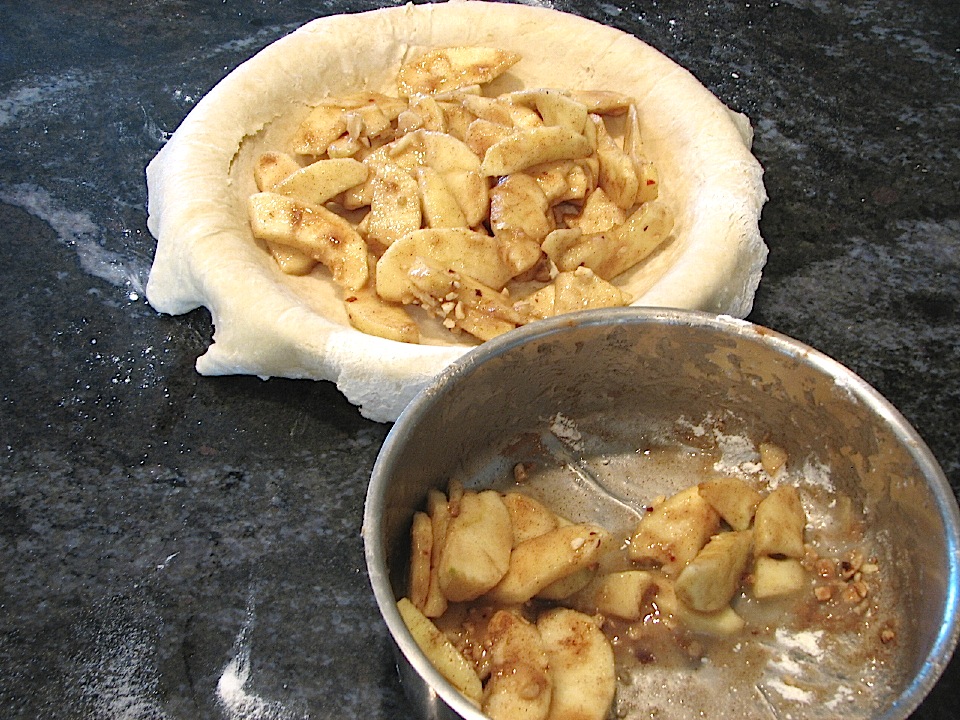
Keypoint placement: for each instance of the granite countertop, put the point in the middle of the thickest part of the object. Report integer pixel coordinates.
(174, 546)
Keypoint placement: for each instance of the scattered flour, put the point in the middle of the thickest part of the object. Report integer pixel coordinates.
(77, 230)
(844, 696)
(798, 654)
(119, 677)
(806, 642)
(566, 431)
(817, 474)
(739, 456)
(790, 692)
(46, 93)
(236, 700)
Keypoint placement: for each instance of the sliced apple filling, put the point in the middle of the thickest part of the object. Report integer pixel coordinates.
(563, 204)
(533, 606)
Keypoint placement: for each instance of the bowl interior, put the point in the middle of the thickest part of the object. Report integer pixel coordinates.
(613, 381)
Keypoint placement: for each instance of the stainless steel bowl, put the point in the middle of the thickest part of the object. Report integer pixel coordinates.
(619, 371)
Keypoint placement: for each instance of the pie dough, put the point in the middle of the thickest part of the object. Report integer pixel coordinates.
(270, 324)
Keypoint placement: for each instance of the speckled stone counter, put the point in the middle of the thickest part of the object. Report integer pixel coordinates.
(173, 546)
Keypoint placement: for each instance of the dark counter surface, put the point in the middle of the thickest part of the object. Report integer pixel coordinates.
(173, 546)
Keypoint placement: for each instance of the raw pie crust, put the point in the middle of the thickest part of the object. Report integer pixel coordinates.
(271, 324)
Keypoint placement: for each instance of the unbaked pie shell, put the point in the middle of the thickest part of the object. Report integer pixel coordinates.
(270, 324)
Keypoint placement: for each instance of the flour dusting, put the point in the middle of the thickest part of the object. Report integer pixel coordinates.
(738, 455)
(806, 642)
(119, 677)
(44, 95)
(817, 474)
(238, 702)
(790, 692)
(566, 431)
(77, 230)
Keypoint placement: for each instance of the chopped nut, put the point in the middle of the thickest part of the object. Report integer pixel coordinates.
(826, 568)
(520, 472)
(851, 594)
(823, 593)
(851, 564)
(887, 636)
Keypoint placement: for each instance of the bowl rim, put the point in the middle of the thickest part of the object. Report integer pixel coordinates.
(946, 640)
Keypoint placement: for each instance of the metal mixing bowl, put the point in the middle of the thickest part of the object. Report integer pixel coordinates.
(615, 373)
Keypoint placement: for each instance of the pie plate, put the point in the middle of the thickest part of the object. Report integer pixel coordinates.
(270, 324)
